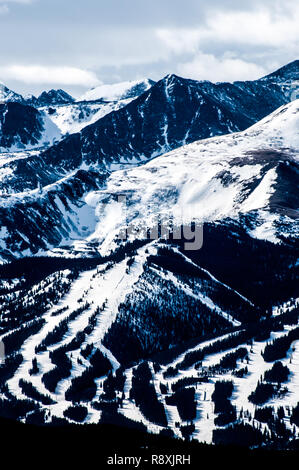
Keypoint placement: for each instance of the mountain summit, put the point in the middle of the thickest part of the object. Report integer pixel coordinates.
(287, 72)
(7, 95)
(117, 91)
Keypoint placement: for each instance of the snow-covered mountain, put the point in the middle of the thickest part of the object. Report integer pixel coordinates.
(60, 107)
(7, 95)
(213, 108)
(251, 175)
(23, 127)
(140, 330)
(228, 107)
(72, 117)
(172, 113)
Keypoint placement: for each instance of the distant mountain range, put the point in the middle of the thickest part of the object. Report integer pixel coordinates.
(194, 110)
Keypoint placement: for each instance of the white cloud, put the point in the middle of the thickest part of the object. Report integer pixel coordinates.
(254, 28)
(250, 36)
(49, 74)
(262, 27)
(180, 40)
(4, 9)
(226, 68)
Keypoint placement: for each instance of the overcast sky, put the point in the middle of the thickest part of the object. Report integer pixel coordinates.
(77, 44)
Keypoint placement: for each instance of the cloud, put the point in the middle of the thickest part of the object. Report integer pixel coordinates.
(254, 28)
(261, 27)
(49, 75)
(147, 39)
(4, 9)
(227, 68)
(179, 41)
(235, 44)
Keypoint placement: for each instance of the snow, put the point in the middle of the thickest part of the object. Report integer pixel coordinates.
(188, 183)
(285, 307)
(3, 235)
(260, 196)
(257, 368)
(280, 128)
(243, 387)
(51, 133)
(265, 227)
(112, 92)
(72, 118)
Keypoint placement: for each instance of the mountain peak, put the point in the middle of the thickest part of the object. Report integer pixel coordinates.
(287, 72)
(170, 83)
(8, 95)
(117, 91)
(172, 78)
(53, 97)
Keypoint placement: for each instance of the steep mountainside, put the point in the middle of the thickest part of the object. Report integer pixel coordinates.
(284, 78)
(24, 127)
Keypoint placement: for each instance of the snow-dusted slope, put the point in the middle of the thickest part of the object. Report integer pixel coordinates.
(72, 118)
(280, 129)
